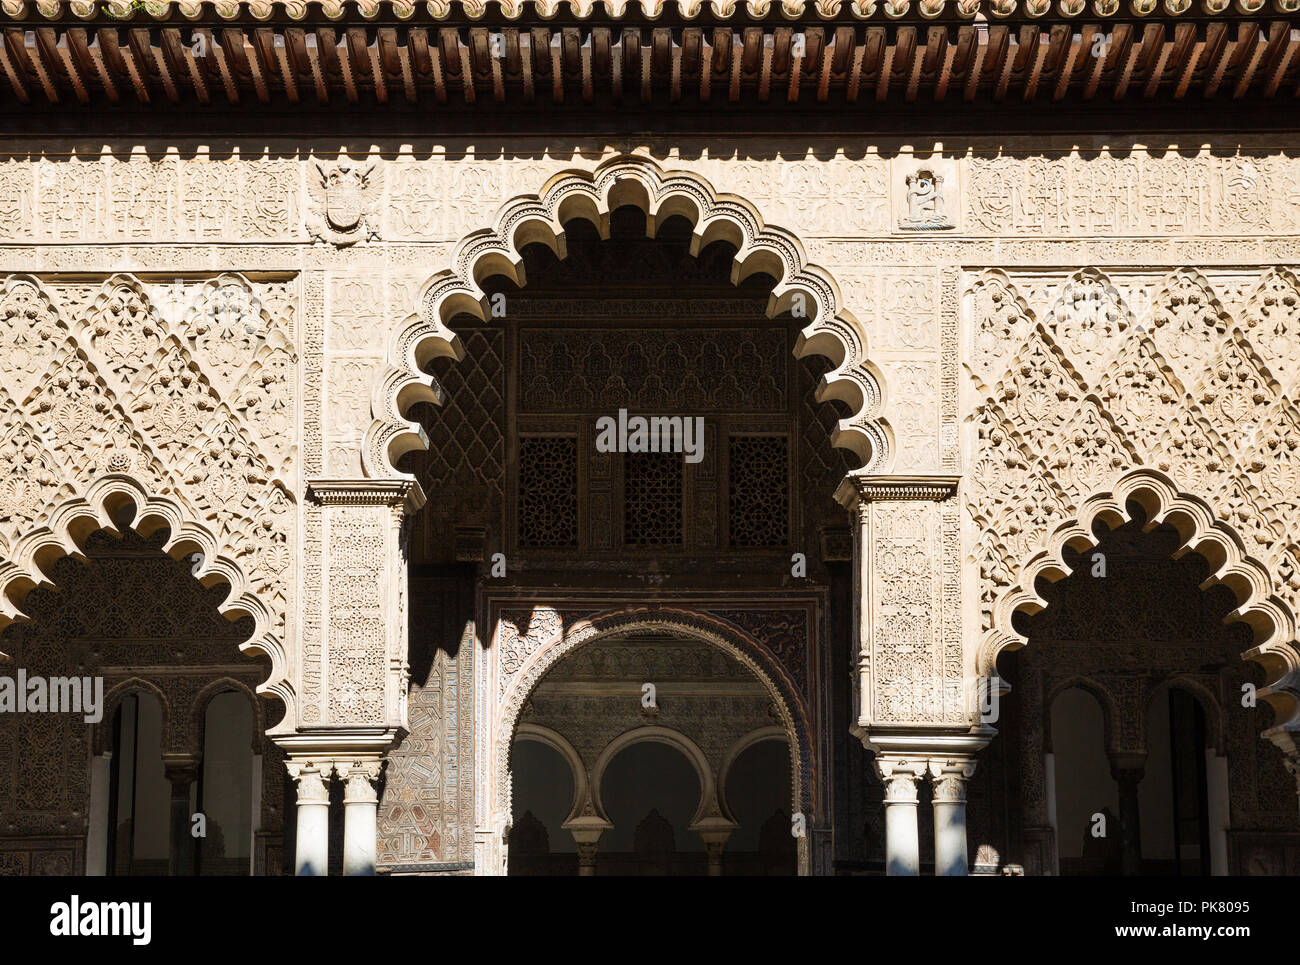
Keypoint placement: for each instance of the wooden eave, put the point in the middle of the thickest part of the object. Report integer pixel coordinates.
(388, 53)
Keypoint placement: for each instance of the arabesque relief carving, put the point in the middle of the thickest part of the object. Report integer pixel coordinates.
(1117, 372)
(208, 334)
(186, 389)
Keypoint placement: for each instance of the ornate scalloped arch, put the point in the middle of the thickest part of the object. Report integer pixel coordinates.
(734, 642)
(831, 332)
(70, 524)
(1269, 618)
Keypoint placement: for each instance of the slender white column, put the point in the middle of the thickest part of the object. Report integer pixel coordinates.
(949, 805)
(312, 854)
(101, 769)
(1216, 771)
(360, 816)
(902, 842)
(255, 825)
(1049, 781)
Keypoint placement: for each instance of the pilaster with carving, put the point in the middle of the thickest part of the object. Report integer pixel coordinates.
(907, 573)
(361, 625)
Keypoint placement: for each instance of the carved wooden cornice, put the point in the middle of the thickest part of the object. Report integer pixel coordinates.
(367, 492)
(445, 10)
(857, 489)
(403, 55)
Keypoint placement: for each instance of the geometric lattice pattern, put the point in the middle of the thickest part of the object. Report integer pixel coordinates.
(567, 370)
(188, 387)
(652, 507)
(428, 784)
(759, 474)
(548, 491)
(466, 455)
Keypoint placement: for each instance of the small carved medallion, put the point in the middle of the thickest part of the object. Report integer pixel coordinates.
(343, 195)
(925, 203)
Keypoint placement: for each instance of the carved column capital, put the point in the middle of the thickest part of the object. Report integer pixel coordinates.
(900, 776)
(949, 778)
(312, 779)
(359, 779)
(1128, 767)
(180, 769)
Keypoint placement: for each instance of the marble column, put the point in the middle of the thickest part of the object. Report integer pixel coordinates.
(312, 778)
(715, 832)
(101, 770)
(948, 802)
(902, 840)
(1128, 770)
(181, 772)
(715, 843)
(586, 831)
(360, 816)
(1216, 773)
(587, 858)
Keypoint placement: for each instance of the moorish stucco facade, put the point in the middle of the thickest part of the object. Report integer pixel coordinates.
(1001, 450)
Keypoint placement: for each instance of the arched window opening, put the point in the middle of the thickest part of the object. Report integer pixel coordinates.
(543, 798)
(1149, 631)
(139, 805)
(225, 787)
(758, 796)
(1086, 802)
(650, 792)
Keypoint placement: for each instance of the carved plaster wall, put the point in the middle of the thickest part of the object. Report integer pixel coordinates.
(177, 394)
(125, 376)
(1094, 374)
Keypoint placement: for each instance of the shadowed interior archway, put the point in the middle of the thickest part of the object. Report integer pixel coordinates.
(794, 724)
(1271, 623)
(113, 503)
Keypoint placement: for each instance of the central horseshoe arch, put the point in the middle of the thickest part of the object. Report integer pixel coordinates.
(795, 723)
(831, 332)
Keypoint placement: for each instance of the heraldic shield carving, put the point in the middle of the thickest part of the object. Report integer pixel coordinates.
(343, 202)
